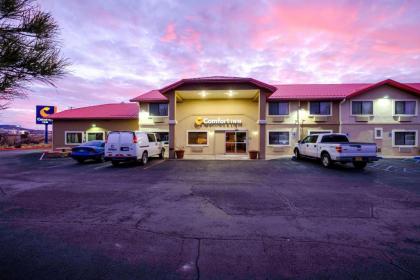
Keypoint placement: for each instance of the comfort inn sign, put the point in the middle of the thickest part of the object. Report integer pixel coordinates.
(216, 122)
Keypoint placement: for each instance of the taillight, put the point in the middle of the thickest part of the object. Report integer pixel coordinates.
(134, 138)
(338, 149)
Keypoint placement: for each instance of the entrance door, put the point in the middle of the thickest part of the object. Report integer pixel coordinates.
(236, 142)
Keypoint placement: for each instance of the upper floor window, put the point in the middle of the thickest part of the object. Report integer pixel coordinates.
(158, 109)
(405, 107)
(322, 108)
(362, 107)
(278, 108)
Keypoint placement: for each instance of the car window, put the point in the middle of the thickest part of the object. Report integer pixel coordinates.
(335, 138)
(305, 140)
(313, 138)
(151, 137)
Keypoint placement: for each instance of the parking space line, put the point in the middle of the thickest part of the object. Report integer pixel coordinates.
(152, 165)
(388, 168)
(102, 166)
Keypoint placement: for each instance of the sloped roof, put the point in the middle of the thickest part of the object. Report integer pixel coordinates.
(389, 82)
(104, 111)
(150, 96)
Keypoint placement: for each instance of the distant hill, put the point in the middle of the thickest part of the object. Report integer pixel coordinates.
(18, 127)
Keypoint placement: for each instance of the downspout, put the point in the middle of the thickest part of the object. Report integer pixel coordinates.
(339, 114)
(298, 120)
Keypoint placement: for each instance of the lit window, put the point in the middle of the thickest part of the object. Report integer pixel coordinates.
(73, 137)
(405, 138)
(362, 107)
(158, 109)
(405, 107)
(197, 138)
(278, 108)
(91, 136)
(279, 138)
(321, 108)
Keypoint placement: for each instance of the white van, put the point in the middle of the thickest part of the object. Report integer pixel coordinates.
(132, 146)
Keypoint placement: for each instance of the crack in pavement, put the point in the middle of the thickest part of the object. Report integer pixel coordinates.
(2, 191)
(197, 267)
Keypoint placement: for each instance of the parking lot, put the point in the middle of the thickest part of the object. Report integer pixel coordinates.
(277, 219)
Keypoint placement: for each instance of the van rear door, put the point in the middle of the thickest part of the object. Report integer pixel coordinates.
(128, 142)
(112, 145)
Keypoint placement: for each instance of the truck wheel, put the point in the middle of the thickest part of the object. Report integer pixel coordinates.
(144, 158)
(115, 163)
(326, 160)
(162, 153)
(359, 164)
(297, 154)
(80, 160)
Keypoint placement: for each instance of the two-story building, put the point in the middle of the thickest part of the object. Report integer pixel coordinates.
(231, 115)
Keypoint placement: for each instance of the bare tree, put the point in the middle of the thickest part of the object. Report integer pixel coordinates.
(29, 50)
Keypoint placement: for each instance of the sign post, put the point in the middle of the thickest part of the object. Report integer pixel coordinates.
(42, 117)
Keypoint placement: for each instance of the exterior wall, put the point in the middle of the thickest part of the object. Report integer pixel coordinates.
(299, 123)
(383, 117)
(61, 126)
(150, 123)
(187, 111)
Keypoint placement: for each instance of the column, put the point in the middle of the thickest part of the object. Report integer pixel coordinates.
(172, 123)
(262, 123)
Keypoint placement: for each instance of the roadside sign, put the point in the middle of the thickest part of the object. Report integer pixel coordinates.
(43, 112)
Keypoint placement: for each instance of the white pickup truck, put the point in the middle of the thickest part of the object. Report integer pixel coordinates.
(132, 146)
(335, 147)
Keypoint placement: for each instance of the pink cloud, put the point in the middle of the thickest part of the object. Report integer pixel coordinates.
(170, 33)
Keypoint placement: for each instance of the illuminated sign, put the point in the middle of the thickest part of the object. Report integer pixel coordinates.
(216, 122)
(43, 113)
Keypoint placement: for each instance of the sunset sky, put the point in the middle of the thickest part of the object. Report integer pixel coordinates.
(120, 49)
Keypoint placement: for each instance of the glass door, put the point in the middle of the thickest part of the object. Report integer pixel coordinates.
(236, 141)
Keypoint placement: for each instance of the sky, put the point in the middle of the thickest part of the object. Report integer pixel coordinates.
(120, 49)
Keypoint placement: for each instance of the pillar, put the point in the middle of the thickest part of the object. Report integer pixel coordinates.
(262, 123)
(172, 123)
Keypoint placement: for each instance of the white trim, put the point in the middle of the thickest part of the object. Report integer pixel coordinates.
(88, 132)
(311, 115)
(320, 130)
(71, 131)
(404, 115)
(198, 145)
(405, 130)
(279, 130)
(375, 134)
(148, 108)
(268, 109)
(362, 115)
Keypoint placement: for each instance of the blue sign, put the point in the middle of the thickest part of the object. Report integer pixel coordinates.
(43, 112)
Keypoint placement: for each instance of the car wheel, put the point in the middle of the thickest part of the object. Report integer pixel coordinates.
(101, 159)
(162, 153)
(80, 160)
(115, 163)
(359, 165)
(297, 154)
(326, 160)
(144, 158)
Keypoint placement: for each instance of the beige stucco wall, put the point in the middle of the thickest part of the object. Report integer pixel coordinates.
(187, 111)
(61, 126)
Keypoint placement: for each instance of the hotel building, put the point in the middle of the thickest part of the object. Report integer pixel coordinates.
(231, 115)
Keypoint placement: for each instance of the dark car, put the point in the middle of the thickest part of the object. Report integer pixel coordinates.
(93, 150)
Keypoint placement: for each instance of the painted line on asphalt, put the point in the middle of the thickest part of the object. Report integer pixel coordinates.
(107, 164)
(388, 168)
(153, 165)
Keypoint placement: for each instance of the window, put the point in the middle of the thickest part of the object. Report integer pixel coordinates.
(278, 108)
(95, 136)
(73, 137)
(335, 138)
(158, 109)
(163, 137)
(320, 108)
(378, 133)
(310, 139)
(405, 107)
(405, 138)
(319, 131)
(279, 138)
(362, 107)
(197, 138)
(151, 137)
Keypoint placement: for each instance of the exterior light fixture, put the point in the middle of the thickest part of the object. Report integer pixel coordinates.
(203, 93)
(93, 125)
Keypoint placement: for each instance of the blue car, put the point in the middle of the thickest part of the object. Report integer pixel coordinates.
(90, 150)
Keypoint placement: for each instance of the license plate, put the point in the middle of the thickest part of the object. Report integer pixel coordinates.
(124, 148)
(358, 159)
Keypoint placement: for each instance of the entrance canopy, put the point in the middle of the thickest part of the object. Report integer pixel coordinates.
(217, 94)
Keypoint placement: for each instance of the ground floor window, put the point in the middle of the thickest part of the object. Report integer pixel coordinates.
(405, 138)
(163, 137)
(197, 138)
(91, 136)
(378, 132)
(279, 138)
(73, 137)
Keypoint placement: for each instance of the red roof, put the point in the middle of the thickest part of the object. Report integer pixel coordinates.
(288, 91)
(99, 112)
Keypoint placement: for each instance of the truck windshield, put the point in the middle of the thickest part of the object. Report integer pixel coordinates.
(334, 139)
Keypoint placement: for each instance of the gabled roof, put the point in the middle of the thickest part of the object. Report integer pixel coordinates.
(389, 82)
(314, 91)
(150, 96)
(99, 112)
